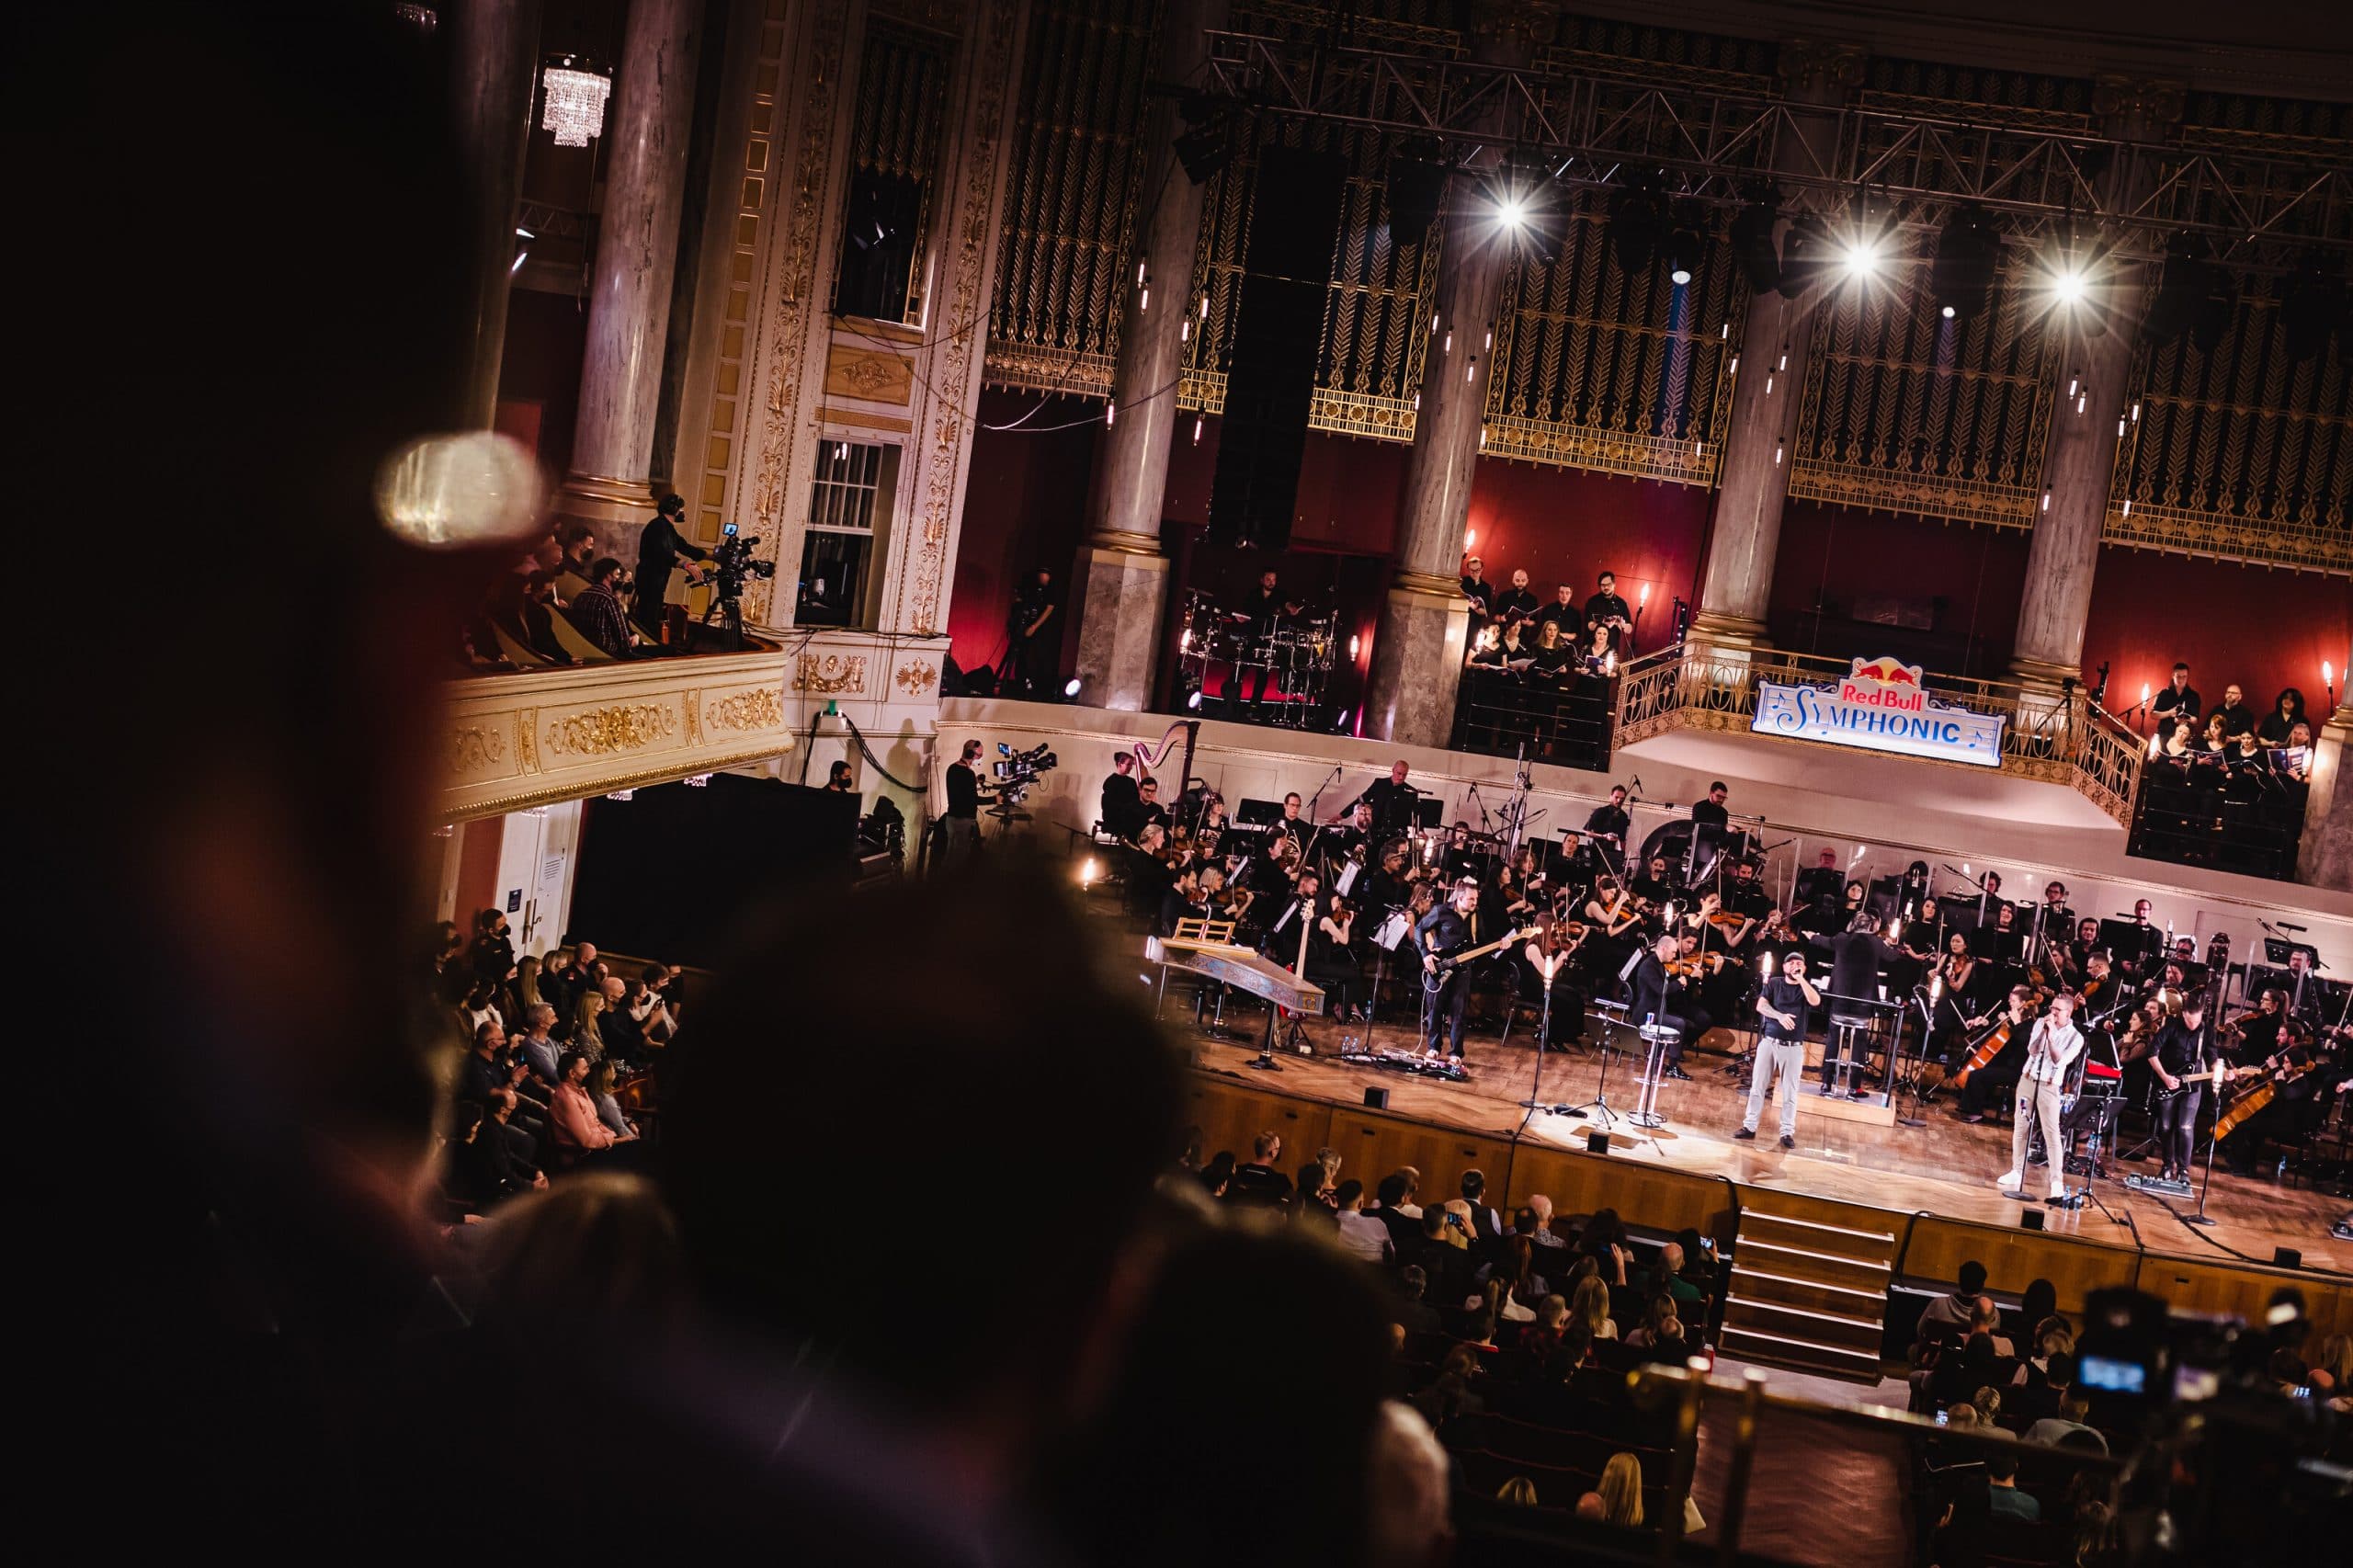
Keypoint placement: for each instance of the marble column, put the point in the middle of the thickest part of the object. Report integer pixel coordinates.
(1417, 650)
(1761, 421)
(636, 262)
(2324, 856)
(1120, 583)
(2081, 457)
(496, 54)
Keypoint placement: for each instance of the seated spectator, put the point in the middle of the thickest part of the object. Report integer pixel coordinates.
(1257, 1180)
(1958, 1375)
(1410, 1311)
(1486, 1225)
(2040, 1300)
(1668, 1276)
(1591, 1507)
(588, 1032)
(1218, 1174)
(1591, 1306)
(1360, 1233)
(2052, 1337)
(2002, 1489)
(2074, 1416)
(1621, 1491)
(540, 1053)
(1543, 1338)
(480, 1006)
(1409, 1520)
(1538, 1225)
(1518, 1491)
(1963, 1416)
(1988, 1401)
(1699, 1267)
(1313, 1199)
(481, 1170)
(1661, 1328)
(596, 611)
(1988, 1321)
(1454, 1391)
(614, 1025)
(1515, 1265)
(1956, 1311)
(602, 1081)
(573, 1122)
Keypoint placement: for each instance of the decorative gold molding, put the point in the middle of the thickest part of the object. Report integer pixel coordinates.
(474, 748)
(830, 674)
(871, 375)
(627, 726)
(759, 708)
(916, 679)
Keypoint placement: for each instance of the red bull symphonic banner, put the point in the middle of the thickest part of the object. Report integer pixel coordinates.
(1880, 705)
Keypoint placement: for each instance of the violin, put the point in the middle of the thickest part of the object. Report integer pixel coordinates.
(1696, 965)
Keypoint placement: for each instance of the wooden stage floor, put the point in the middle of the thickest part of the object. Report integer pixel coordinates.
(1945, 1167)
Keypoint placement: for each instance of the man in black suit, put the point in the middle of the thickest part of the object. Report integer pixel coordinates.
(1391, 799)
(1660, 997)
(1712, 812)
(1857, 955)
(659, 545)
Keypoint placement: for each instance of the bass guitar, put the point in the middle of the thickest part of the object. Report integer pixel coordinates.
(1438, 975)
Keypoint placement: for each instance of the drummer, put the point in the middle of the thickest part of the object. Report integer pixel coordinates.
(1267, 611)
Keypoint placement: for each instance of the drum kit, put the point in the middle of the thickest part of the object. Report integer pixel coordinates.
(1293, 659)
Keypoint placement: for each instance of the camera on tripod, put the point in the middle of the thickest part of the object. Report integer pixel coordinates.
(732, 560)
(1017, 771)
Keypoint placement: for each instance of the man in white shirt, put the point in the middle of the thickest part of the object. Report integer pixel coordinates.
(2049, 1052)
(1360, 1231)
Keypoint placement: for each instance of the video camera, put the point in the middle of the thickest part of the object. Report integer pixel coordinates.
(732, 560)
(1017, 771)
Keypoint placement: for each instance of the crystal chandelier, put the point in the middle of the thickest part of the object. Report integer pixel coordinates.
(572, 99)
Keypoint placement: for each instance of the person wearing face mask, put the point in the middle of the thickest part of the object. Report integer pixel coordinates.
(596, 611)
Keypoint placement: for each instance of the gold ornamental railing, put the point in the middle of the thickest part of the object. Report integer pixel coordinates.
(2057, 738)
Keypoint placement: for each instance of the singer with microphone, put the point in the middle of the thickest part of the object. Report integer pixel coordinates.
(1391, 799)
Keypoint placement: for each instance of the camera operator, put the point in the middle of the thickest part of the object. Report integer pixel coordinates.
(962, 821)
(658, 549)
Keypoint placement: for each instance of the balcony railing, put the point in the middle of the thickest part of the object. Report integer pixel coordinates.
(2057, 738)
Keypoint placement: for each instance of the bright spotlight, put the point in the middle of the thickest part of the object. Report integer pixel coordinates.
(1070, 686)
(1513, 211)
(1193, 701)
(1862, 260)
(2068, 286)
(1948, 312)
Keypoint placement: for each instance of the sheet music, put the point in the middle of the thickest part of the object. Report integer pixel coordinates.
(1348, 877)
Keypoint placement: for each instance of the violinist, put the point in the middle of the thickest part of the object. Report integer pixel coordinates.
(2255, 1034)
(1332, 960)
(1961, 975)
(2008, 1026)
(1549, 956)
(1746, 896)
(1182, 901)
(1221, 902)
(1655, 885)
(1611, 918)
(1661, 996)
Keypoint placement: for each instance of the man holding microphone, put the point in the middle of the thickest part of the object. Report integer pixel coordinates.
(1780, 1048)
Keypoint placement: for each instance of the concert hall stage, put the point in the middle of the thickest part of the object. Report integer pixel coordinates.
(1936, 1178)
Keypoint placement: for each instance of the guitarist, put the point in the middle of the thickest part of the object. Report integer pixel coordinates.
(1449, 928)
(2184, 1046)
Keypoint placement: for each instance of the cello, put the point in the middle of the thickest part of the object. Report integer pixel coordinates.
(1982, 1054)
(2253, 1099)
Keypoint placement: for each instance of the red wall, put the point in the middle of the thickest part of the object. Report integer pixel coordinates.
(2261, 628)
(1025, 504)
(1830, 556)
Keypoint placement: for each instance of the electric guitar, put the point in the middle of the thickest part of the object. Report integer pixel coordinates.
(1433, 978)
(2221, 1073)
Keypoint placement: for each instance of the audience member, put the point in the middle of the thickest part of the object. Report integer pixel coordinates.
(2074, 1416)
(1359, 1233)
(2003, 1494)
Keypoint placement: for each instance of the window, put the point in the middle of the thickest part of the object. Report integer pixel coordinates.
(849, 513)
(894, 153)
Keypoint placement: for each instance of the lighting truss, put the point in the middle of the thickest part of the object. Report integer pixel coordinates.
(1593, 129)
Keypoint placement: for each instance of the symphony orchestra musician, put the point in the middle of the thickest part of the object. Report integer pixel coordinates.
(1950, 993)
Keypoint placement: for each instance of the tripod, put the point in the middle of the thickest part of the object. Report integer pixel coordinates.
(2204, 1182)
(1598, 1109)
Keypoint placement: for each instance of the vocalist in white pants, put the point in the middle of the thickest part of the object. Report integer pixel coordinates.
(1780, 1045)
(2049, 1053)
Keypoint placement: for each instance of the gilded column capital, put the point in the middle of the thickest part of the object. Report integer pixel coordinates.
(1811, 65)
(2143, 104)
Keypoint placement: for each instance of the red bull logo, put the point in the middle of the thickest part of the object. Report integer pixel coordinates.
(1885, 683)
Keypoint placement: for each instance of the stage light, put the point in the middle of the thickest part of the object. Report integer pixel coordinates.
(1354, 643)
(1513, 211)
(1471, 539)
(2068, 285)
(1194, 701)
(1946, 312)
(1087, 874)
(1069, 688)
(1686, 249)
(1861, 258)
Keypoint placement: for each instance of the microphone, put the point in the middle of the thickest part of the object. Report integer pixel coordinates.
(2285, 927)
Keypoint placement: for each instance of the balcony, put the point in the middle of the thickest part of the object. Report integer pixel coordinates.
(513, 740)
(2051, 738)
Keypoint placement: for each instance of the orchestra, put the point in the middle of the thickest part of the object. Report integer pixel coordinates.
(1945, 991)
